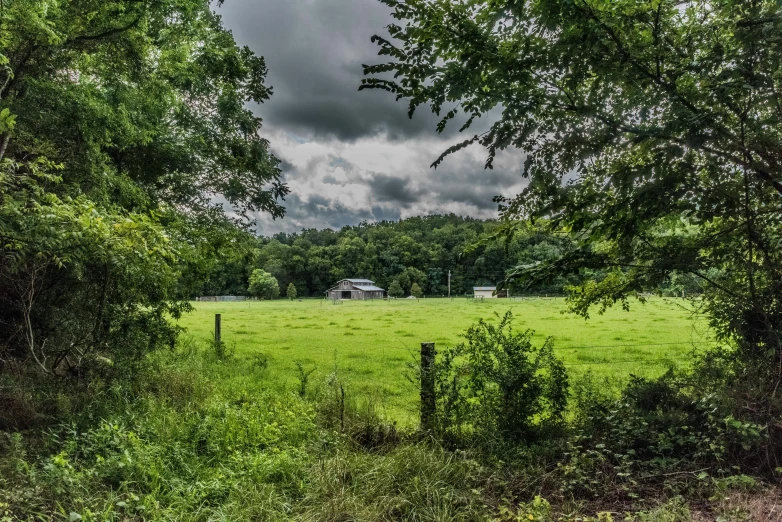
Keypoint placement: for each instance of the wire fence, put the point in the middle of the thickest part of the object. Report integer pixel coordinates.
(627, 361)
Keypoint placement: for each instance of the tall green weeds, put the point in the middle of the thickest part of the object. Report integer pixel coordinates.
(196, 436)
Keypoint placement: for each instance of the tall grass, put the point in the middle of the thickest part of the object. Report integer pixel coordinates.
(189, 442)
(199, 436)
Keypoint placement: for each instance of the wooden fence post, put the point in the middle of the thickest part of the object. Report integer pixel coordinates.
(217, 328)
(427, 386)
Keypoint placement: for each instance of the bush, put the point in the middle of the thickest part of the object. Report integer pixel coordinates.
(263, 285)
(655, 429)
(416, 291)
(395, 289)
(497, 386)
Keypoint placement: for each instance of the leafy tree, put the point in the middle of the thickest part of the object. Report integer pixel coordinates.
(79, 283)
(651, 133)
(115, 136)
(395, 289)
(290, 292)
(416, 291)
(154, 101)
(411, 276)
(263, 285)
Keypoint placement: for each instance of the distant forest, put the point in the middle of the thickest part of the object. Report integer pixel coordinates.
(416, 250)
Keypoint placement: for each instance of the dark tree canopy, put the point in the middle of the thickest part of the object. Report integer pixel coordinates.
(417, 250)
(651, 131)
(121, 123)
(142, 102)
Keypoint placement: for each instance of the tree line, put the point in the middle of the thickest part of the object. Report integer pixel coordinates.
(412, 255)
(408, 257)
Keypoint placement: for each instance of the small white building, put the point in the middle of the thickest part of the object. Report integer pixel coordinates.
(484, 292)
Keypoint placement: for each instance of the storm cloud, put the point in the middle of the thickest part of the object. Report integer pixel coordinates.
(350, 156)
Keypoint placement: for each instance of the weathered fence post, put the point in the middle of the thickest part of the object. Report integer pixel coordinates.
(217, 329)
(427, 386)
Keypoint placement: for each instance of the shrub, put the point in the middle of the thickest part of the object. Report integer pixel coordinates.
(416, 291)
(497, 385)
(395, 289)
(655, 429)
(263, 285)
(290, 292)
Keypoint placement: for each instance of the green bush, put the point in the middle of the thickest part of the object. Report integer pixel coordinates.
(656, 428)
(395, 289)
(497, 386)
(263, 285)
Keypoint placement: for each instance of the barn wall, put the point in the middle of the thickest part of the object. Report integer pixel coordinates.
(486, 294)
(356, 293)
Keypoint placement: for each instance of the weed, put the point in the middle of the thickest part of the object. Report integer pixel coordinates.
(304, 377)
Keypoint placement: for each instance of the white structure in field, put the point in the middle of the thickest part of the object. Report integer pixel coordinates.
(484, 292)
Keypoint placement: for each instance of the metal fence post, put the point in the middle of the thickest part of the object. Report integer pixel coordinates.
(217, 328)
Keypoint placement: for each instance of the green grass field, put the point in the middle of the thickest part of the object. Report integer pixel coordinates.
(370, 343)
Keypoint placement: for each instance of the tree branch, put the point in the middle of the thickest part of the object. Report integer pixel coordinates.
(106, 34)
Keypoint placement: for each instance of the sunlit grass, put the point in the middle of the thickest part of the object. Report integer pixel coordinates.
(370, 343)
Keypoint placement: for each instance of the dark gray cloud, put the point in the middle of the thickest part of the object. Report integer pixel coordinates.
(389, 188)
(330, 190)
(350, 156)
(470, 183)
(315, 50)
(319, 212)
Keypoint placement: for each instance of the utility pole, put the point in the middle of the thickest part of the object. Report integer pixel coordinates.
(449, 283)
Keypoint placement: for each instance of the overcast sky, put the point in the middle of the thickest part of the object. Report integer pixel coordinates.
(349, 156)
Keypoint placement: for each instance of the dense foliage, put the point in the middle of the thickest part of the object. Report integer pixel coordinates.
(198, 436)
(263, 285)
(120, 124)
(497, 387)
(419, 250)
(651, 132)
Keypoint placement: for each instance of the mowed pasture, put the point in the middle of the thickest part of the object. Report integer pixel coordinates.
(370, 344)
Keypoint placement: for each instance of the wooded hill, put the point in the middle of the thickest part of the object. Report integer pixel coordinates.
(416, 250)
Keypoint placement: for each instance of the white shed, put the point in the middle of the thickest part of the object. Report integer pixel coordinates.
(484, 292)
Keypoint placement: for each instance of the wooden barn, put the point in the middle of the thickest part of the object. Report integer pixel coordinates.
(356, 289)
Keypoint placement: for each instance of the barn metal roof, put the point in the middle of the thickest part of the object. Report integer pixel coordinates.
(359, 284)
(484, 288)
(369, 288)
